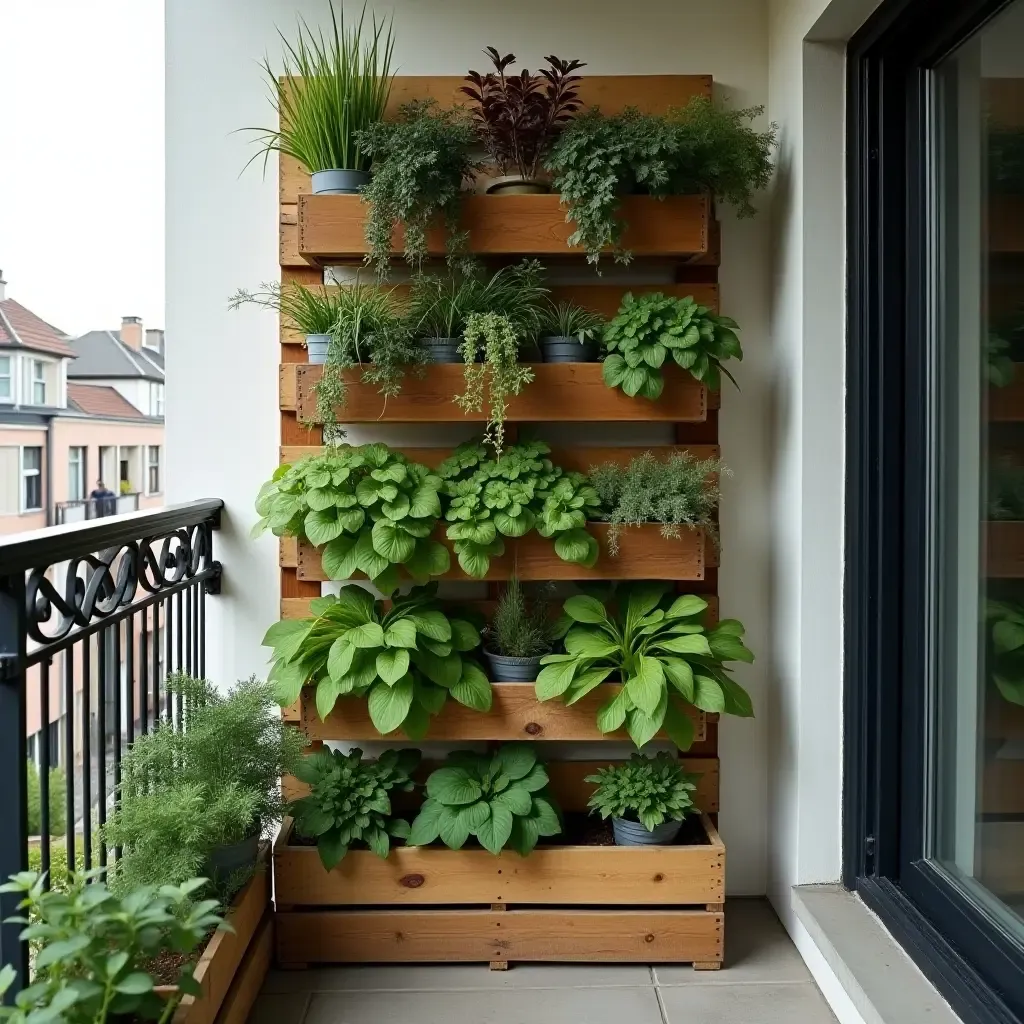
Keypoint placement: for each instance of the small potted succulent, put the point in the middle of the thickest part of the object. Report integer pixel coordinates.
(646, 798)
(518, 118)
(570, 334)
(520, 634)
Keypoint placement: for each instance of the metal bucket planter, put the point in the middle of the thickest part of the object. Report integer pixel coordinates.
(316, 348)
(225, 861)
(512, 670)
(632, 833)
(442, 350)
(337, 182)
(516, 185)
(558, 349)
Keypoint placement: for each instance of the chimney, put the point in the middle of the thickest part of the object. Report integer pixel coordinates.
(3, 287)
(155, 340)
(131, 332)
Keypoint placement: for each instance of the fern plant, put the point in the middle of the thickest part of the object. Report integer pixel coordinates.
(522, 626)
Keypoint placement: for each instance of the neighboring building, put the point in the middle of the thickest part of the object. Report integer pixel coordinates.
(75, 411)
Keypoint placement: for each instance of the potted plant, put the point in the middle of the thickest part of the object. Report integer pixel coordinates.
(404, 660)
(439, 305)
(650, 328)
(349, 801)
(312, 312)
(1005, 622)
(420, 161)
(1006, 489)
(570, 333)
(94, 950)
(655, 643)
(679, 491)
(329, 90)
(501, 799)
(194, 800)
(520, 634)
(646, 798)
(520, 116)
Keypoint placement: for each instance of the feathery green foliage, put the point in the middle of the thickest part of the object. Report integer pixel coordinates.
(650, 790)
(522, 627)
(346, 81)
(57, 791)
(567, 320)
(307, 310)
(677, 491)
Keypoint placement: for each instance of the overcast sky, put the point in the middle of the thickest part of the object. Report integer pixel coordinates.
(82, 159)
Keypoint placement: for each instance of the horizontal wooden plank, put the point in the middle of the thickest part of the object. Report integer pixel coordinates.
(515, 714)
(331, 228)
(603, 875)
(1004, 550)
(449, 936)
(559, 393)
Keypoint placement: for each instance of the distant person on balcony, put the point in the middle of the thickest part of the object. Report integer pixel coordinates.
(106, 501)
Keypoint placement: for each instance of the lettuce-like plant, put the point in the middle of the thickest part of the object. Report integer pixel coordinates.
(650, 328)
(348, 800)
(405, 660)
(489, 499)
(650, 790)
(662, 653)
(500, 798)
(370, 508)
(1005, 622)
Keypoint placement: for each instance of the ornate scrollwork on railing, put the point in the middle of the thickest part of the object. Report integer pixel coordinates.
(98, 585)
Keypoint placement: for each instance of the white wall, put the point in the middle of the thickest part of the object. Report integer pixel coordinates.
(222, 233)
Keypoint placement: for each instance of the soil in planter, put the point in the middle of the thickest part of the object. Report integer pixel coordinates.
(165, 967)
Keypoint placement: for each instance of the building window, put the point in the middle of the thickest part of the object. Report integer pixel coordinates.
(6, 381)
(153, 470)
(76, 474)
(38, 382)
(31, 479)
(156, 399)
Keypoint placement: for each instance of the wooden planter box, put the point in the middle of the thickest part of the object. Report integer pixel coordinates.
(597, 904)
(233, 965)
(559, 393)
(1006, 405)
(1004, 550)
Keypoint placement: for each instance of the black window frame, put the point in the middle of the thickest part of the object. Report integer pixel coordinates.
(977, 967)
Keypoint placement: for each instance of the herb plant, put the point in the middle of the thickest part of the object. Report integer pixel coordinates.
(1005, 622)
(518, 117)
(664, 656)
(650, 790)
(999, 366)
(650, 328)
(522, 627)
(567, 320)
(305, 310)
(348, 802)
(370, 508)
(678, 491)
(94, 947)
(420, 160)
(1005, 489)
(489, 498)
(500, 798)
(405, 660)
(345, 83)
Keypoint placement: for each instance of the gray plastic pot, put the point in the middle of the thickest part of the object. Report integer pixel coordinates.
(632, 833)
(512, 670)
(224, 861)
(557, 349)
(316, 348)
(337, 182)
(442, 350)
(516, 185)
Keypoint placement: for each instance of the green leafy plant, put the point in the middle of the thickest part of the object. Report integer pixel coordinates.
(370, 508)
(650, 790)
(491, 498)
(57, 797)
(500, 798)
(212, 780)
(1005, 622)
(1006, 160)
(1005, 489)
(650, 328)
(405, 661)
(567, 320)
(345, 84)
(678, 491)
(420, 160)
(999, 367)
(93, 948)
(522, 627)
(701, 147)
(662, 653)
(305, 310)
(348, 802)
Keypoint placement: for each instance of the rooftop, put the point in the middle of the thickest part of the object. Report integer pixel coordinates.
(21, 328)
(102, 354)
(98, 400)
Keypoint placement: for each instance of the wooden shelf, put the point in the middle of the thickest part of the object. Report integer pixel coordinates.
(559, 393)
(1006, 224)
(330, 229)
(643, 555)
(1004, 550)
(515, 714)
(1006, 405)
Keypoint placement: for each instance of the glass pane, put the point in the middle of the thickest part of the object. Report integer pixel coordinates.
(977, 745)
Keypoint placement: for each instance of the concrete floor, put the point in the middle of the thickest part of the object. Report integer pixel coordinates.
(764, 981)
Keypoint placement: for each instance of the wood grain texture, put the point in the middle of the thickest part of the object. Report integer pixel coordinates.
(559, 393)
(486, 936)
(252, 972)
(566, 875)
(1004, 550)
(515, 714)
(331, 228)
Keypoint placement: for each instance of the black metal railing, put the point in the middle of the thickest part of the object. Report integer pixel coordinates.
(95, 508)
(93, 618)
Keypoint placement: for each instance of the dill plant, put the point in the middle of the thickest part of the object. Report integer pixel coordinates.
(522, 627)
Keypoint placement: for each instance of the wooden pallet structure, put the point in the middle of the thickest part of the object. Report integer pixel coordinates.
(562, 903)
